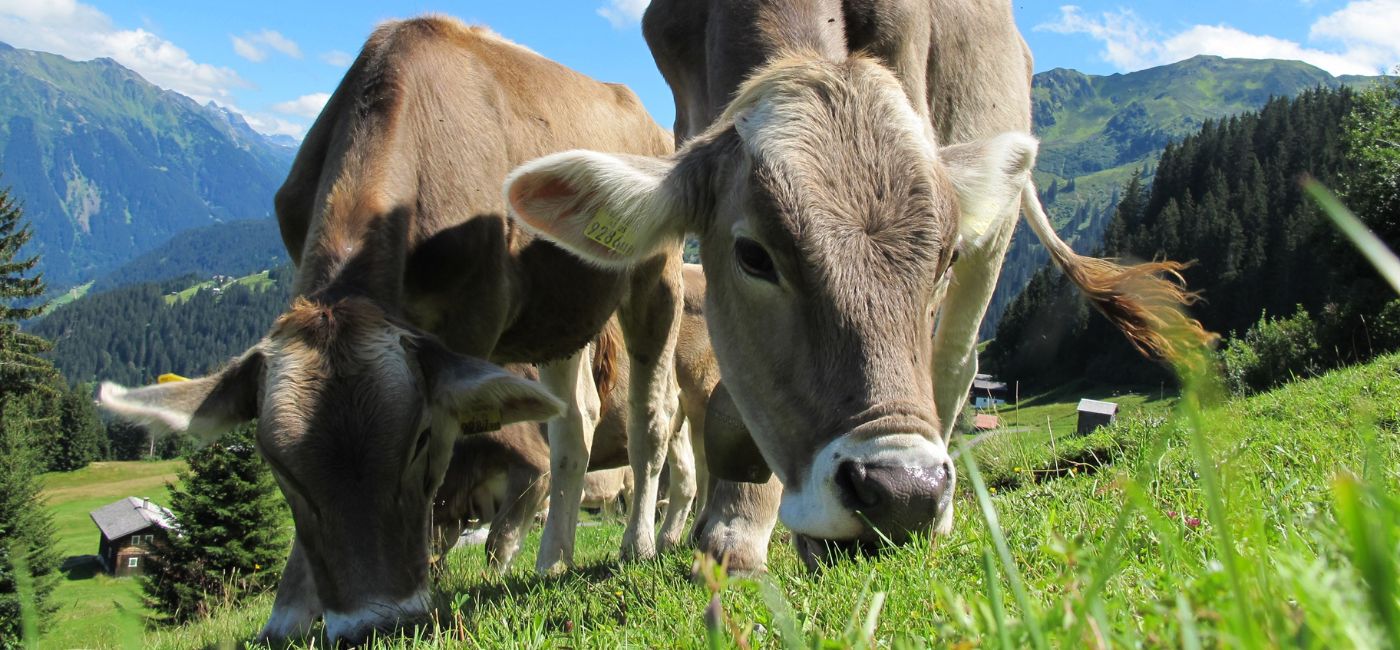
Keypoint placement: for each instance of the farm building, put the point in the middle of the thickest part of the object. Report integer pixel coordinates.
(130, 528)
(1094, 414)
(986, 392)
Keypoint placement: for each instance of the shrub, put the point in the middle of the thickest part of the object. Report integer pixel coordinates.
(1272, 352)
(232, 537)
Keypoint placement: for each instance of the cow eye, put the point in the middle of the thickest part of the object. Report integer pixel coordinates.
(754, 261)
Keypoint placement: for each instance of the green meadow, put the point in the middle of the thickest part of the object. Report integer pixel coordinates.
(1260, 522)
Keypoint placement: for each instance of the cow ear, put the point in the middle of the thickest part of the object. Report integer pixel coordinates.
(988, 176)
(481, 396)
(612, 210)
(730, 451)
(206, 408)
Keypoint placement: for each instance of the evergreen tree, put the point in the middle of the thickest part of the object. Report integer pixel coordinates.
(232, 535)
(21, 366)
(1228, 199)
(27, 561)
(127, 441)
(26, 531)
(78, 438)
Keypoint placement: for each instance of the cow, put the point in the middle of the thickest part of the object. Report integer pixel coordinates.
(853, 171)
(498, 477)
(408, 275)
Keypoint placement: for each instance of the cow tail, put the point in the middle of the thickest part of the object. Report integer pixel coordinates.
(606, 348)
(1145, 301)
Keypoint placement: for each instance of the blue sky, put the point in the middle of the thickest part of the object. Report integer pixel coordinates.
(276, 61)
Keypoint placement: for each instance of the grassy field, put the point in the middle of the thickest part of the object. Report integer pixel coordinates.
(1265, 522)
(96, 610)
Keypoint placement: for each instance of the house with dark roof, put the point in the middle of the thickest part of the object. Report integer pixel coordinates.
(1094, 414)
(986, 392)
(130, 529)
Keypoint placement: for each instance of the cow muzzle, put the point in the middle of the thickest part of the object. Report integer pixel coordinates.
(875, 490)
(355, 626)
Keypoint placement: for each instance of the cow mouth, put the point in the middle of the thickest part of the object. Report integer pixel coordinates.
(816, 552)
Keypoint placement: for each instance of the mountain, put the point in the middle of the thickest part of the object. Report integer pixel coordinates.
(1095, 131)
(109, 166)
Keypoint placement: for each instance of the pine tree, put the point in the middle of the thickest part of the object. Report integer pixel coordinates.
(26, 531)
(27, 561)
(21, 367)
(232, 533)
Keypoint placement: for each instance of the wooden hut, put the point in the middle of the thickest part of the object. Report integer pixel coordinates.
(130, 528)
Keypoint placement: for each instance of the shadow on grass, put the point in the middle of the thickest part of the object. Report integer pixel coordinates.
(80, 567)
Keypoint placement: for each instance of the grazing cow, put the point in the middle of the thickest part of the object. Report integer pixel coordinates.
(406, 262)
(853, 170)
(499, 476)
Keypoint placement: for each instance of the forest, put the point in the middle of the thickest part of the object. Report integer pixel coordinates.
(1228, 199)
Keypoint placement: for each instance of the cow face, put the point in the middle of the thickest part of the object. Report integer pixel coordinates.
(828, 223)
(357, 414)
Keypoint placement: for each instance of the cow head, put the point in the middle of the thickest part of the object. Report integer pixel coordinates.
(828, 221)
(356, 415)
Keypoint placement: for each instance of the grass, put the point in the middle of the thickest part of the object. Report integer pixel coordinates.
(97, 610)
(260, 281)
(1262, 522)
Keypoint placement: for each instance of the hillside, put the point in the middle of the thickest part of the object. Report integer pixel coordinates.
(97, 610)
(1214, 528)
(1096, 131)
(235, 248)
(109, 166)
(187, 326)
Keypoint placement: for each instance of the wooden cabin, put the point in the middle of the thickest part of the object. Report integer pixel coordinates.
(130, 529)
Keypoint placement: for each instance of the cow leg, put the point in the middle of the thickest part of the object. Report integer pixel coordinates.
(955, 340)
(526, 491)
(570, 439)
(297, 606)
(650, 317)
(681, 491)
(737, 523)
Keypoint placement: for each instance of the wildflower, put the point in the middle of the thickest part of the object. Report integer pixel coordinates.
(992, 489)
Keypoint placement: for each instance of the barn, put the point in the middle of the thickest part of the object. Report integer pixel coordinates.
(130, 528)
(1094, 414)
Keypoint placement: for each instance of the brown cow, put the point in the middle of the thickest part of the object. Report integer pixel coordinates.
(498, 477)
(838, 155)
(406, 261)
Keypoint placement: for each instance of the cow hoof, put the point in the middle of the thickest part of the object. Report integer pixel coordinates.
(740, 554)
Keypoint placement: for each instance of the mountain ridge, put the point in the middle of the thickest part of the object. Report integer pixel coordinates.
(109, 166)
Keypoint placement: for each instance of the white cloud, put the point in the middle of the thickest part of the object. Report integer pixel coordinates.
(1367, 30)
(304, 106)
(254, 46)
(273, 125)
(337, 58)
(82, 32)
(623, 13)
(247, 50)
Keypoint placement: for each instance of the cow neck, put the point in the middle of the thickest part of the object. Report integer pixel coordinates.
(754, 33)
(367, 262)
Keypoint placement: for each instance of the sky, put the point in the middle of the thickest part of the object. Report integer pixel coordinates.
(276, 61)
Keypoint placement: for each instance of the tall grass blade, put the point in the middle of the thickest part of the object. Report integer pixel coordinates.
(1372, 551)
(989, 568)
(24, 590)
(1013, 576)
(1366, 241)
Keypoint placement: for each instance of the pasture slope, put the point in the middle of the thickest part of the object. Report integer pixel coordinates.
(94, 609)
(1262, 522)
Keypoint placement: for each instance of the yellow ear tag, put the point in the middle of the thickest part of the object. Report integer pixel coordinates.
(481, 419)
(611, 233)
(170, 378)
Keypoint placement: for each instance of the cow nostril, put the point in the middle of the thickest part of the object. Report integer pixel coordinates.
(854, 481)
